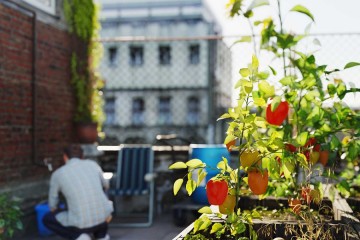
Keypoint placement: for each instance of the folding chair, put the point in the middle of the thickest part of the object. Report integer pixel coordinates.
(134, 177)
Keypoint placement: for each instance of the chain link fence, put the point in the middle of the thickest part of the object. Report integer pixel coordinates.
(333, 50)
(182, 85)
(166, 86)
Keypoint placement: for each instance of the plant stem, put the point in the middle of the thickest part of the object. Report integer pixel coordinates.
(253, 37)
(237, 186)
(281, 32)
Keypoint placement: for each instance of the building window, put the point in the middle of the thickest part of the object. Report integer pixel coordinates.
(136, 56)
(112, 51)
(194, 54)
(164, 55)
(193, 113)
(48, 6)
(138, 111)
(165, 111)
(110, 111)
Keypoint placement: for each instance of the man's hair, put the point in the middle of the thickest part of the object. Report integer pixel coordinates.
(73, 151)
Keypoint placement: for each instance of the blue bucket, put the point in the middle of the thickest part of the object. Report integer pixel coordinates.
(41, 209)
(211, 155)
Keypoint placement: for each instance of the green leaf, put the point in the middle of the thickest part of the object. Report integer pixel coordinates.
(221, 165)
(288, 169)
(248, 14)
(257, 3)
(255, 214)
(341, 90)
(303, 10)
(235, 7)
(19, 225)
(302, 160)
(353, 151)
(331, 89)
(247, 86)
(229, 138)
(190, 186)
(344, 188)
(207, 222)
(311, 59)
(245, 72)
(260, 122)
(243, 39)
(263, 75)
(325, 128)
(302, 138)
(238, 84)
(177, 185)
(334, 143)
(194, 163)
(351, 64)
(224, 116)
(201, 177)
(258, 100)
(273, 70)
(311, 95)
(216, 227)
(275, 103)
(198, 222)
(287, 81)
(239, 227)
(178, 165)
(205, 209)
(266, 89)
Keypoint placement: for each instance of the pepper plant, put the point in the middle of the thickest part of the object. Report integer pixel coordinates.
(282, 130)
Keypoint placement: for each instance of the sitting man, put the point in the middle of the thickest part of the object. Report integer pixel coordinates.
(88, 210)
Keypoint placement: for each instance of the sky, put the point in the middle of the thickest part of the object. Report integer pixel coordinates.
(331, 16)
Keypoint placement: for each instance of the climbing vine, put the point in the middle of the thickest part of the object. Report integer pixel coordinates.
(82, 18)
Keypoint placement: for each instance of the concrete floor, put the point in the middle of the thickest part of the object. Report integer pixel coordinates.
(162, 228)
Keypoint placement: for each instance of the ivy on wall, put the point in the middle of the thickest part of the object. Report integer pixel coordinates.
(82, 18)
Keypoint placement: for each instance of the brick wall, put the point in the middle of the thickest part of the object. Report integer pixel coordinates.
(54, 97)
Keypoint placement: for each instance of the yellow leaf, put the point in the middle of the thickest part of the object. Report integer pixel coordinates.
(266, 88)
(247, 86)
(244, 72)
(216, 227)
(260, 122)
(178, 165)
(177, 185)
(194, 163)
(190, 186)
(205, 209)
(255, 62)
(201, 177)
(287, 168)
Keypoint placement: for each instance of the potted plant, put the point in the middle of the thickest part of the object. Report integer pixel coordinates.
(279, 132)
(10, 215)
(82, 18)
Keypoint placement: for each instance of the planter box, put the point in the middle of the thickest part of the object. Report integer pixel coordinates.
(269, 229)
(346, 228)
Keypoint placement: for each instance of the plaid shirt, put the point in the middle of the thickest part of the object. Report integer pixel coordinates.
(81, 182)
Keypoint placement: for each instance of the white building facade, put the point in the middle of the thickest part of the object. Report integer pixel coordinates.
(167, 71)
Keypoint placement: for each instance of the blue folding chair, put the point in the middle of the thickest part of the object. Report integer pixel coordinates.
(134, 177)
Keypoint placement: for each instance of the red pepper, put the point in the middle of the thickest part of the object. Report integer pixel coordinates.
(290, 147)
(277, 116)
(216, 191)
